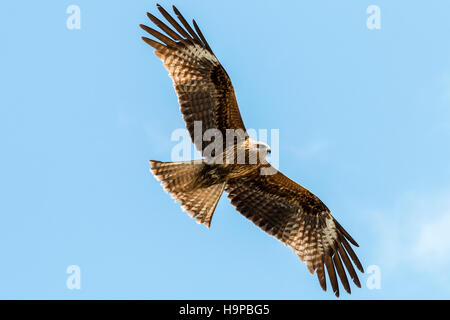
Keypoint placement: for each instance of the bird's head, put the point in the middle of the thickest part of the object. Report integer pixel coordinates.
(259, 148)
(263, 147)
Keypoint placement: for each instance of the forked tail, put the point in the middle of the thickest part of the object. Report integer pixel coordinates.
(178, 178)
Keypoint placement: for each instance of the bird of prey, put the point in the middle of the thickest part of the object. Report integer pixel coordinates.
(272, 201)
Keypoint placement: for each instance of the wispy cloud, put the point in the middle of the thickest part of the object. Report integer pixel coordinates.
(446, 81)
(310, 150)
(415, 236)
(432, 247)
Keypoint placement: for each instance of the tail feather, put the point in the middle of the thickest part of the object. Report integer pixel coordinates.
(178, 179)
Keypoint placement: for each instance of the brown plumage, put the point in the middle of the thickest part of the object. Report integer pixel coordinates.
(273, 202)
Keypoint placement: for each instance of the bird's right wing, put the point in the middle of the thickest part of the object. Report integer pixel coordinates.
(204, 90)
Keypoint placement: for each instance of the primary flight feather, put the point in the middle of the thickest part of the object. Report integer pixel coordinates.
(272, 201)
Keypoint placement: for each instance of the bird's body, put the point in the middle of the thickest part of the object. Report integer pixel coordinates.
(188, 179)
(238, 166)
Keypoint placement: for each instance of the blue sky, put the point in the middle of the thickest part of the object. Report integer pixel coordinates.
(364, 123)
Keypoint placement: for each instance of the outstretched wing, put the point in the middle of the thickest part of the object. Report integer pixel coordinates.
(299, 219)
(204, 90)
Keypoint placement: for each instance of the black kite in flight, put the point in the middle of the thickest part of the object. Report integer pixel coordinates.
(273, 202)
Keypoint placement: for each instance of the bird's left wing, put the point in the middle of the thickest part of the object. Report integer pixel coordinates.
(204, 90)
(298, 218)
